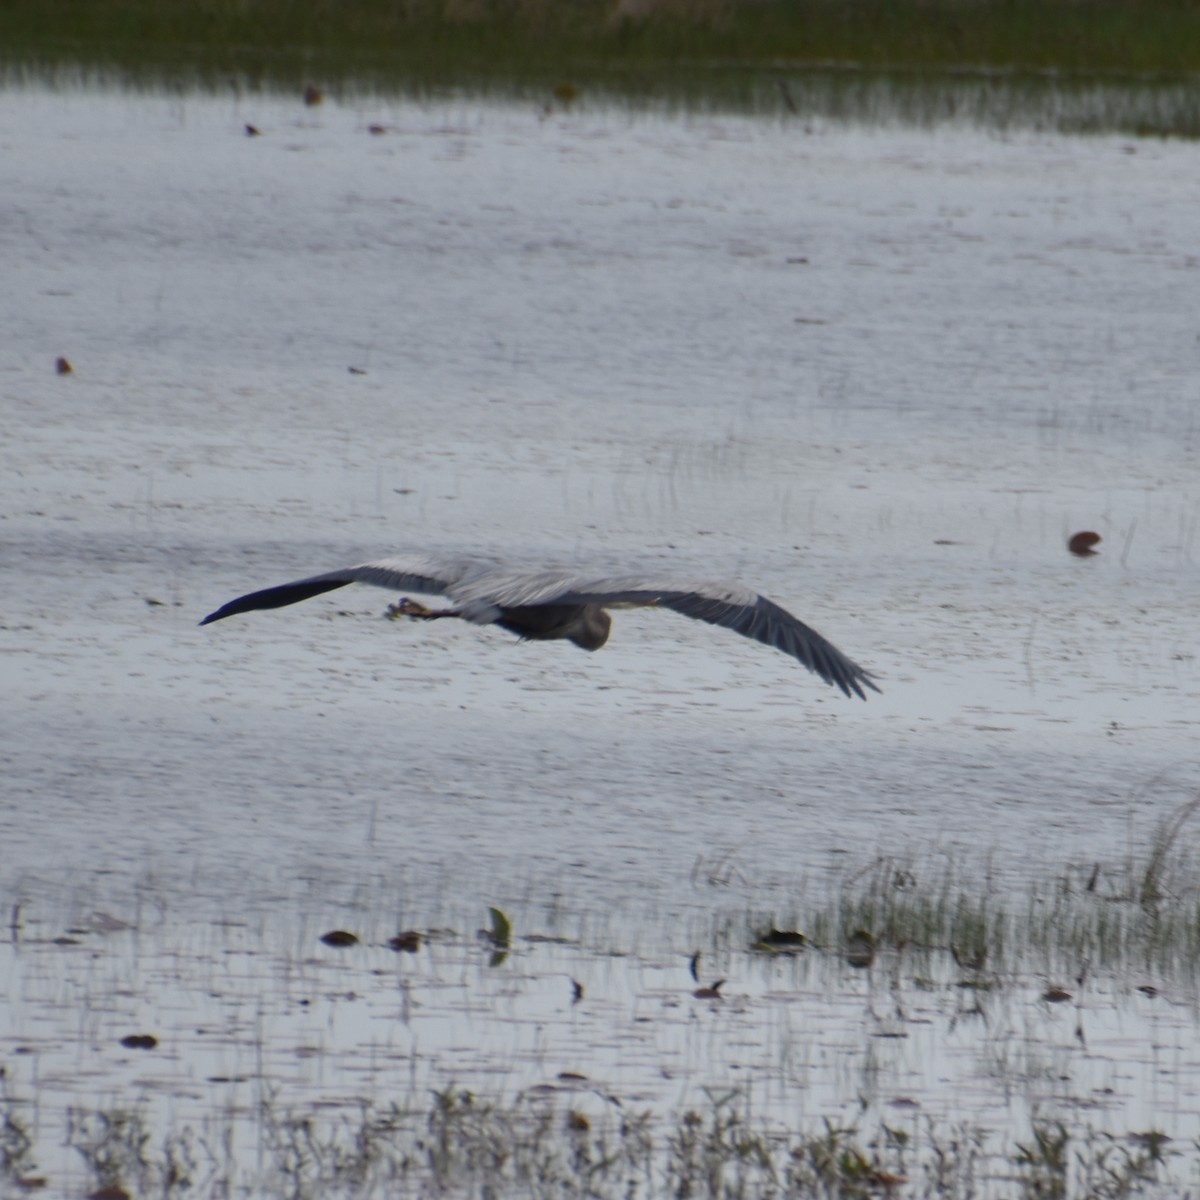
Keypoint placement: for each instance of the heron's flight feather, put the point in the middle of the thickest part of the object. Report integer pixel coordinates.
(483, 591)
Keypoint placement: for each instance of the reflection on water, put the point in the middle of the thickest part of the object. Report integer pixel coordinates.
(995, 100)
(1142, 105)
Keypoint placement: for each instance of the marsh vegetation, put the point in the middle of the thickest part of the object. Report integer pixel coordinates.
(459, 1145)
(1107, 65)
(1045, 995)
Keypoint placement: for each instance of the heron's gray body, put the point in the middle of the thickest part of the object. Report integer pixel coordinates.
(555, 604)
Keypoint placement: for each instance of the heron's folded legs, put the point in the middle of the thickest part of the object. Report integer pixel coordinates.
(418, 611)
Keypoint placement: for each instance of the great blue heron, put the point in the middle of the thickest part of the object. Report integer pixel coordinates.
(543, 605)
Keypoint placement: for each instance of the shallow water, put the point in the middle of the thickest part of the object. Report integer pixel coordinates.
(259, 1028)
(881, 374)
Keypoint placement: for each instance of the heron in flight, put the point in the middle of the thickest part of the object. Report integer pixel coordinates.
(545, 605)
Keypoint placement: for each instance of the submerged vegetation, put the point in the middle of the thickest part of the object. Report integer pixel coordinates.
(1001, 60)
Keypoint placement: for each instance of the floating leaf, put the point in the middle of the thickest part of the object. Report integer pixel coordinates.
(501, 931)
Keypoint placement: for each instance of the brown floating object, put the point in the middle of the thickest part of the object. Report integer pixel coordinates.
(63, 366)
(409, 940)
(783, 937)
(313, 95)
(1056, 995)
(339, 937)
(779, 941)
(1082, 543)
(860, 949)
(253, 131)
(712, 992)
(139, 1041)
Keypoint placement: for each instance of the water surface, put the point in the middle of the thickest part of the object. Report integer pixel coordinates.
(880, 373)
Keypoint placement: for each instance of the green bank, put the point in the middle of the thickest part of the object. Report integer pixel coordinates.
(916, 59)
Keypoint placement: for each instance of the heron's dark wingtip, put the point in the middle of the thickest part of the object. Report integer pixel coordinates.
(276, 597)
(851, 686)
(863, 681)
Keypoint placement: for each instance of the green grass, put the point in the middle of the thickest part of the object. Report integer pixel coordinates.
(672, 48)
(1097, 35)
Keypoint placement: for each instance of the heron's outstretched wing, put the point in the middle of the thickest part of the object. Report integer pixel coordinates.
(481, 589)
(418, 573)
(739, 609)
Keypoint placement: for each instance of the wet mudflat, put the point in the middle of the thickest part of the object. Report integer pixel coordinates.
(881, 374)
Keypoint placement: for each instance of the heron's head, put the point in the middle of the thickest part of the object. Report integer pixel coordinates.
(592, 630)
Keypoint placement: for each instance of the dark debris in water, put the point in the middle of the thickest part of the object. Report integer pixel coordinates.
(780, 941)
(1056, 995)
(339, 938)
(139, 1041)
